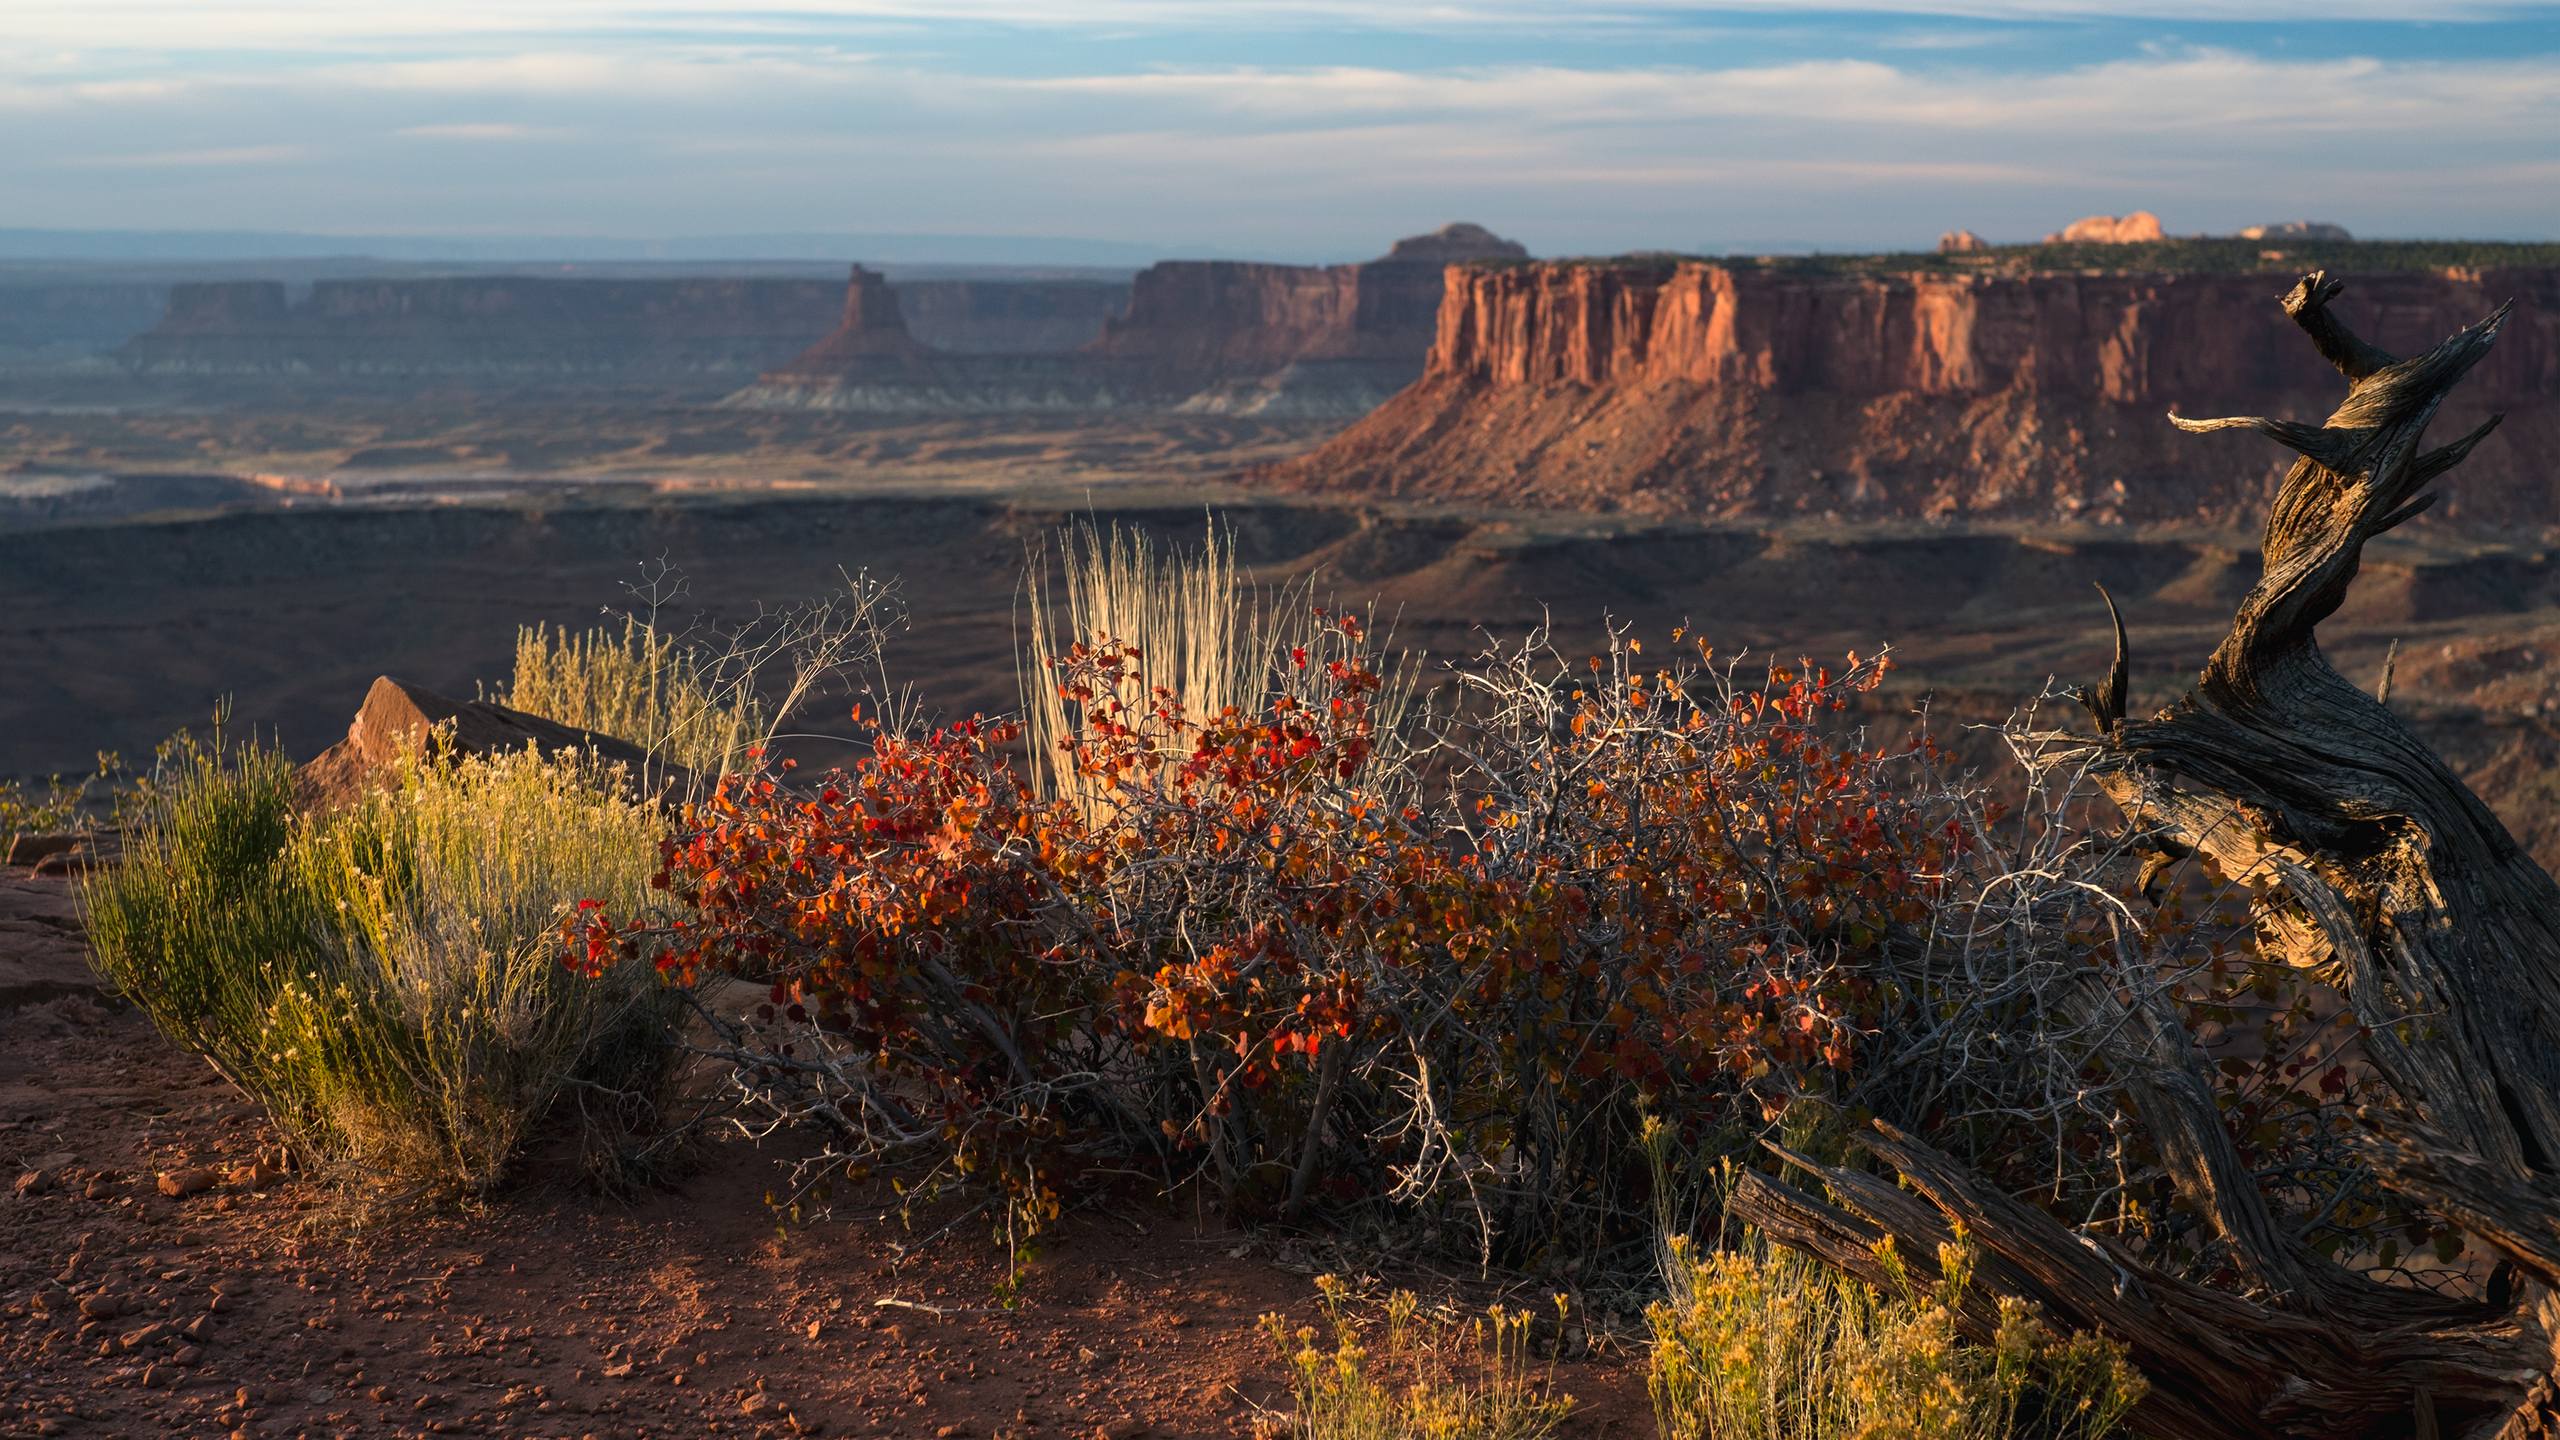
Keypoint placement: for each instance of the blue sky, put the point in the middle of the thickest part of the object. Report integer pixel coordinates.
(1292, 128)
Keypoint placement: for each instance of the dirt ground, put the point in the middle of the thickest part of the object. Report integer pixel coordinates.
(263, 1305)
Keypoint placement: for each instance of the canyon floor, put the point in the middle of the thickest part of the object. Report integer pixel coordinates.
(146, 571)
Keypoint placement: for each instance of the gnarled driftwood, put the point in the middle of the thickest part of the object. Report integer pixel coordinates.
(2386, 875)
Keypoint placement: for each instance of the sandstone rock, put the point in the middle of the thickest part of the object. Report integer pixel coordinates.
(2296, 230)
(397, 717)
(179, 1184)
(1961, 242)
(1709, 390)
(2109, 230)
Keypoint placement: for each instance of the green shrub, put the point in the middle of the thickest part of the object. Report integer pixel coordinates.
(639, 685)
(387, 983)
(1352, 1382)
(1756, 1343)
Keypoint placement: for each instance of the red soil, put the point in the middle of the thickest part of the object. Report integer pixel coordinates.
(277, 1310)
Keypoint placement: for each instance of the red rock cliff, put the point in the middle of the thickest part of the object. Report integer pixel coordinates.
(1692, 387)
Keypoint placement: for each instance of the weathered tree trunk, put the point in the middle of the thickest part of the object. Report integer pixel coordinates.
(2387, 876)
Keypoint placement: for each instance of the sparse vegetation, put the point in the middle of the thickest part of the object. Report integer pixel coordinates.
(386, 981)
(58, 804)
(1414, 1376)
(1755, 1343)
(638, 684)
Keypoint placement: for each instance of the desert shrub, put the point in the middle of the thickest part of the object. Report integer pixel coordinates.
(208, 907)
(1317, 978)
(639, 684)
(1754, 1343)
(386, 982)
(1414, 1378)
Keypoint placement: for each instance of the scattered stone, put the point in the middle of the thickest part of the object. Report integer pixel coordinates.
(34, 1182)
(101, 1306)
(179, 1184)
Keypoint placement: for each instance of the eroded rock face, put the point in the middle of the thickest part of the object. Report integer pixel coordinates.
(1961, 242)
(1688, 387)
(2109, 230)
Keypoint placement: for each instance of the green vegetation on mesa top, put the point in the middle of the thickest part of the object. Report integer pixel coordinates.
(2199, 256)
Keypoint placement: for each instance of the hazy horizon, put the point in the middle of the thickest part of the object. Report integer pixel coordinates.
(1291, 129)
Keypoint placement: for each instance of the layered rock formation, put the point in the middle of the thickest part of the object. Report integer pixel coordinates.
(1694, 388)
(519, 328)
(484, 326)
(1009, 317)
(45, 326)
(1203, 336)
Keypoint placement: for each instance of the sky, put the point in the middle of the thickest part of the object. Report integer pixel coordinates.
(1293, 129)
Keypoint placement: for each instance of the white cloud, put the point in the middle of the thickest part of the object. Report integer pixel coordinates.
(652, 134)
(328, 24)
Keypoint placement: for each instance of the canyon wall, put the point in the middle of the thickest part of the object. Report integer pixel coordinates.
(500, 327)
(1681, 387)
(1008, 317)
(532, 328)
(47, 326)
(1197, 336)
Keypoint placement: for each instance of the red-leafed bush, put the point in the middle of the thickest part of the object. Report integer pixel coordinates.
(1322, 959)
(1333, 952)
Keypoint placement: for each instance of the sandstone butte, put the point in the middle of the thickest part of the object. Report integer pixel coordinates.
(2130, 229)
(1699, 389)
(1224, 336)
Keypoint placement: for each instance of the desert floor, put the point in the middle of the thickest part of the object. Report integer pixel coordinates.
(273, 1306)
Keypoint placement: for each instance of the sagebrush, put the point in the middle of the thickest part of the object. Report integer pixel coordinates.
(386, 981)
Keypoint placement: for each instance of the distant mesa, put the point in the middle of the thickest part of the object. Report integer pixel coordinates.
(2131, 229)
(2296, 230)
(1454, 245)
(1233, 337)
(709, 333)
(1961, 242)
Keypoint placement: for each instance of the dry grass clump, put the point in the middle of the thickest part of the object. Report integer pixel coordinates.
(1203, 636)
(1417, 1378)
(641, 685)
(1756, 1343)
(388, 982)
